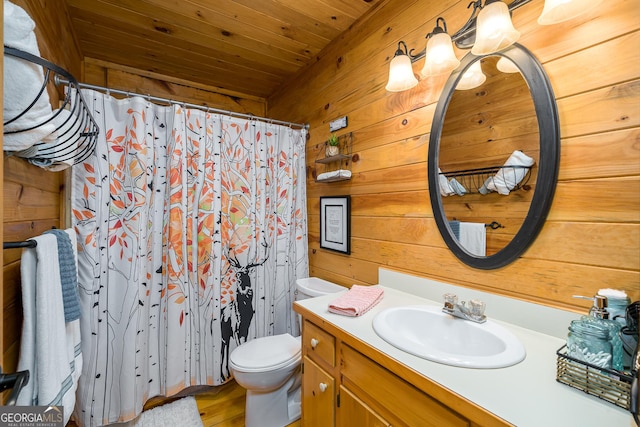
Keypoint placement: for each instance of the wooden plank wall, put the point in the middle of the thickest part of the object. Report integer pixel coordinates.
(591, 239)
(2, 196)
(33, 199)
(116, 76)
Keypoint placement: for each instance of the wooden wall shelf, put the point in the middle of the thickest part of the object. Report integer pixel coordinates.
(338, 167)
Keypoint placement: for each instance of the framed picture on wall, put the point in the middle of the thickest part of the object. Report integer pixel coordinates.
(335, 223)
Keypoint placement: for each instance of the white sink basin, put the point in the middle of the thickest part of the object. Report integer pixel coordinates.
(427, 332)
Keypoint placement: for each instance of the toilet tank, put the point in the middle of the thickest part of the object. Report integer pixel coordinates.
(310, 287)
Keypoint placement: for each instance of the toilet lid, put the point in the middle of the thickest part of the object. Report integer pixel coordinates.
(267, 352)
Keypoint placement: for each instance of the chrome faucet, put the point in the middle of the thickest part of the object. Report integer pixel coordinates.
(474, 312)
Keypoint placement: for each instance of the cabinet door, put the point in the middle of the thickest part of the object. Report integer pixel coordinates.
(397, 400)
(354, 412)
(318, 391)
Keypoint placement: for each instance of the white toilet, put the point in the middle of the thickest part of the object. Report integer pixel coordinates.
(269, 368)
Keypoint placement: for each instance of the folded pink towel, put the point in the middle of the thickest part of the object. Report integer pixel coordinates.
(357, 300)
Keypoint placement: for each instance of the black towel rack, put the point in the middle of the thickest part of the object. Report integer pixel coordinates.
(15, 381)
(15, 245)
(79, 138)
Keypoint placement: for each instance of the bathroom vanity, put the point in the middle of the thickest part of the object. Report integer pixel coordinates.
(353, 377)
(347, 381)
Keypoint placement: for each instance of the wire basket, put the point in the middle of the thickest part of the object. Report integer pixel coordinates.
(473, 180)
(77, 131)
(607, 384)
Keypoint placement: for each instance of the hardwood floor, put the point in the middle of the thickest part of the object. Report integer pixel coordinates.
(225, 407)
(221, 406)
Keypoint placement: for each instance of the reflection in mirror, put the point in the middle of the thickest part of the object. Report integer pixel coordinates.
(507, 66)
(494, 153)
(489, 141)
(472, 78)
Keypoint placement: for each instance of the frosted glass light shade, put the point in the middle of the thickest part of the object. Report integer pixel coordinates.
(401, 75)
(494, 29)
(440, 58)
(507, 66)
(472, 78)
(556, 11)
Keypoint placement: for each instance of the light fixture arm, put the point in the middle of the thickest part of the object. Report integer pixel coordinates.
(465, 37)
(468, 30)
(438, 29)
(399, 51)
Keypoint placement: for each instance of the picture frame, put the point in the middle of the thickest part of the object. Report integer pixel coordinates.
(335, 223)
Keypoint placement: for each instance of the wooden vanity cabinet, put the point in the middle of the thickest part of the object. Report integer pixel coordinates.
(390, 396)
(318, 395)
(318, 376)
(343, 387)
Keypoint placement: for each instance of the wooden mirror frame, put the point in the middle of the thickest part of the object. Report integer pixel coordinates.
(549, 131)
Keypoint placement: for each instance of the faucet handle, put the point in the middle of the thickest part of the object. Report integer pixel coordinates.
(450, 300)
(477, 308)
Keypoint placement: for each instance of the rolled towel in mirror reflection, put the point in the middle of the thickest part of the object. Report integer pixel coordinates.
(484, 189)
(457, 187)
(510, 175)
(445, 188)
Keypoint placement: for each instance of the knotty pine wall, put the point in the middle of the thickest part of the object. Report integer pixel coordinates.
(34, 199)
(591, 239)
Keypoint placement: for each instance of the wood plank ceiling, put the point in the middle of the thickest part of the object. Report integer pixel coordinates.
(244, 46)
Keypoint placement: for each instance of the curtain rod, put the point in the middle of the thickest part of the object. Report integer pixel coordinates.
(58, 81)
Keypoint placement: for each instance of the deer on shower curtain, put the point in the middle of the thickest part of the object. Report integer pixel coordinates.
(192, 230)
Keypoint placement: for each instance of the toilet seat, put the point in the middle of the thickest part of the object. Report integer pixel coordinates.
(267, 353)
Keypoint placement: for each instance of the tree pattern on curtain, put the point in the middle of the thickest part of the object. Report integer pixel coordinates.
(192, 231)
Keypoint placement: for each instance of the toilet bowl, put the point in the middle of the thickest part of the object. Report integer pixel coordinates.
(269, 368)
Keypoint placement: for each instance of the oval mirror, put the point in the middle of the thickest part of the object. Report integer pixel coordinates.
(494, 153)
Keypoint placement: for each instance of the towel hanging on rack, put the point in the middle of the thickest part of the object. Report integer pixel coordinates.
(49, 347)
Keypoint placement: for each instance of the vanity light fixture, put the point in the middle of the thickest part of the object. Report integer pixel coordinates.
(489, 29)
(556, 11)
(494, 29)
(440, 58)
(401, 75)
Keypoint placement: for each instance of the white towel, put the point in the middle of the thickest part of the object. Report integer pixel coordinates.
(60, 154)
(22, 82)
(507, 178)
(473, 237)
(339, 174)
(443, 183)
(48, 345)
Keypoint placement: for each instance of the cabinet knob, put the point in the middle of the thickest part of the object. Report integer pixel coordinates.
(314, 343)
(322, 387)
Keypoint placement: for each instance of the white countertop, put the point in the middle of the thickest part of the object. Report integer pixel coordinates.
(526, 394)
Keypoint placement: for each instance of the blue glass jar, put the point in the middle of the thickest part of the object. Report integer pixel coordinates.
(617, 309)
(589, 342)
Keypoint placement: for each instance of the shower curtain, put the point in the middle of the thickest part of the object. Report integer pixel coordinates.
(192, 231)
